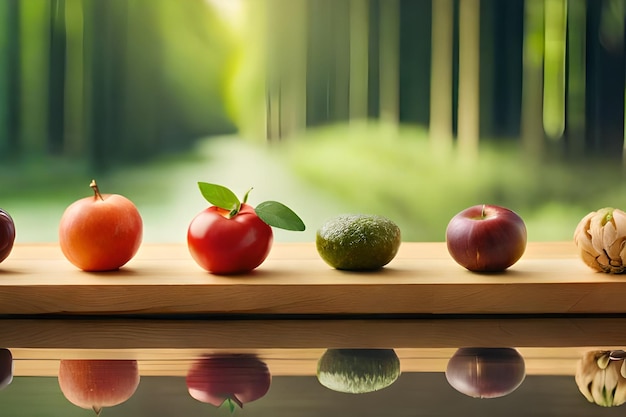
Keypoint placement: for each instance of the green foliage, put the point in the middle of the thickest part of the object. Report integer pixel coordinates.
(244, 86)
(197, 62)
(111, 81)
(396, 173)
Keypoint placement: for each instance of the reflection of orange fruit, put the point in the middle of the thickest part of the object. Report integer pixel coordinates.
(94, 384)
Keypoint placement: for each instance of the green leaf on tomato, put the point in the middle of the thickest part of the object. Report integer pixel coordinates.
(219, 196)
(278, 215)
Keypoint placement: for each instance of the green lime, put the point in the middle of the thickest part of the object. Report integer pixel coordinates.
(357, 371)
(358, 241)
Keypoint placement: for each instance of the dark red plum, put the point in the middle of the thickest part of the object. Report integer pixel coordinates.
(486, 238)
(7, 234)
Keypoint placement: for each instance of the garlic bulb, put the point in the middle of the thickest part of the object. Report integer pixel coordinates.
(600, 377)
(601, 240)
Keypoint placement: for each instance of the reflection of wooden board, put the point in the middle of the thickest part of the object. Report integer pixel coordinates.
(243, 335)
(538, 361)
(422, 279)
(550, 346)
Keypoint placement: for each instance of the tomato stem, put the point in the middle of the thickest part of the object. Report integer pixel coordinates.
(95, 189)
(232, 403)
(245, 197)
(234, 212)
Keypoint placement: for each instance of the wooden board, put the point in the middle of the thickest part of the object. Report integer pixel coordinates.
(422, 279)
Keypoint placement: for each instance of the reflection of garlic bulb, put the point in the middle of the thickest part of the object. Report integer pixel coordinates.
(601, 240)
(601, 378)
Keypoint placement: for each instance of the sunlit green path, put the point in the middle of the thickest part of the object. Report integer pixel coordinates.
(167, 195)
(335, 170)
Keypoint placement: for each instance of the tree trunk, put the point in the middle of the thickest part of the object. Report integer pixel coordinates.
(389, 61)
(34, 24)
(605, 81)
(415, 61)
(320, 66)
(532, 81)
(9, 78)
(293, 76)
(340, 46)
(56, 76)
(576, 86)
(441, 73)
(554, 68)
(359, 56)
(74, 108)
(469, 77)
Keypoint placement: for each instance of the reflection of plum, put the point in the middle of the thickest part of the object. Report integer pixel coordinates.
(358, 371)
(601, 377)
(486, 372)
(6, 368)
(94, 384)
(231, 379)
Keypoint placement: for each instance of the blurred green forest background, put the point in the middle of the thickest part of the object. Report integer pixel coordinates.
(413, 109)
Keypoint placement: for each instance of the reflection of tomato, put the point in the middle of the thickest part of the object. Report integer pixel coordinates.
(224, 245)
(235, 379)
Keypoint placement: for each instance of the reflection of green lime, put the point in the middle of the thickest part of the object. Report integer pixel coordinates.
(358, 241)
(357, 371)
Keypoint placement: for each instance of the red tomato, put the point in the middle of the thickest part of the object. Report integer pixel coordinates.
(237, 378)
(224, 245)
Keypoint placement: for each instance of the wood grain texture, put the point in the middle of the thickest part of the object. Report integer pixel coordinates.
(538, 361)
(422, 279)
(550, 346)
(251, 334)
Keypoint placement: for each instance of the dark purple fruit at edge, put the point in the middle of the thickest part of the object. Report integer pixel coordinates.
(7, 234)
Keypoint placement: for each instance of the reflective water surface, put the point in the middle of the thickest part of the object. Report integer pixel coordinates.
(401, 367)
